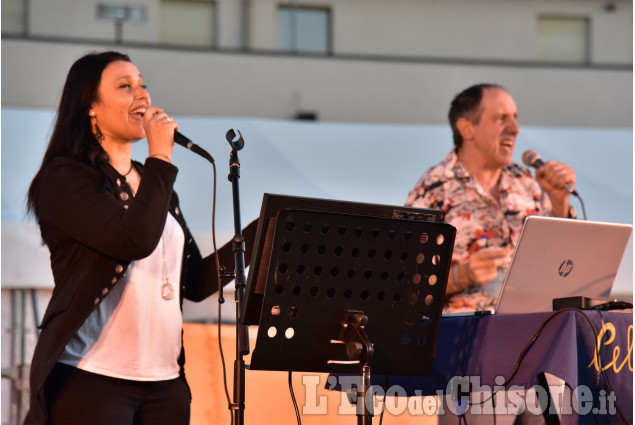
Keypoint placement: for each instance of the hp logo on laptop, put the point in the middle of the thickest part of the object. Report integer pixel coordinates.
(565, 268)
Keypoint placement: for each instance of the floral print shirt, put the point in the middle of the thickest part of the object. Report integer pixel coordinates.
(480, 220)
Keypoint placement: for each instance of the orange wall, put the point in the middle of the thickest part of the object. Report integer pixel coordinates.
(267, 397)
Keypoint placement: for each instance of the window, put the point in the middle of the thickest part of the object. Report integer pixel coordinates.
(563, 39)
(13, 17)
(304, 29)
(188, 22)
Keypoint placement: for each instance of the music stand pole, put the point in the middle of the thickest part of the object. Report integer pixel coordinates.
(364, 411)
(242, 333)
(358, 348)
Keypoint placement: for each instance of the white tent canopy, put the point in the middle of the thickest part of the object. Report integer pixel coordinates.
(355, 162)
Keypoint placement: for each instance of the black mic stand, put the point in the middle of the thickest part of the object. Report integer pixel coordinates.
(238, 245)
(242, 333)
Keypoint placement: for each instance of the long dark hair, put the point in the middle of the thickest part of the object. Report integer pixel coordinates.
(73, 135)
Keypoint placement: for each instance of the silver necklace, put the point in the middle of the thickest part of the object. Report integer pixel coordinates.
(167, 290)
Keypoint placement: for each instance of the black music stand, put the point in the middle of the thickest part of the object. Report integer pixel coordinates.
(346, 294)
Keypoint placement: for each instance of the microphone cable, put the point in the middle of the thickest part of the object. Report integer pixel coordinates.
(295, 402)
(533, 339)
(188, 144)
(575, 193)
(221, 299)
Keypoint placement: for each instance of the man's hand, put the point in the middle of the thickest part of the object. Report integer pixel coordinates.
(554, 177)
(483, 265)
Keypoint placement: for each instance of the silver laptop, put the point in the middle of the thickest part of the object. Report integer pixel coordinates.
(559, 258)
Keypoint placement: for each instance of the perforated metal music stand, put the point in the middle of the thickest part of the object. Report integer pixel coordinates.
(328, 269)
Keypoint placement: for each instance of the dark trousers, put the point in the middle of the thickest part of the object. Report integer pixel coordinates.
(76, 397)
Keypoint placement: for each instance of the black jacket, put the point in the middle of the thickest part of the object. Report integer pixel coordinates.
(94, 228)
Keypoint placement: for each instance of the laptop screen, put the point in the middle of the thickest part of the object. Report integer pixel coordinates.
(559, 258)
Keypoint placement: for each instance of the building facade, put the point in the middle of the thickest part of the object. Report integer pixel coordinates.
(567, 62)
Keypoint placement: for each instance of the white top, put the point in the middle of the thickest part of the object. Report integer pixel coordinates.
(135, 333)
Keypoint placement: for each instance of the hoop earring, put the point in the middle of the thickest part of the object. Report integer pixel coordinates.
(96, 130)
(97, 133)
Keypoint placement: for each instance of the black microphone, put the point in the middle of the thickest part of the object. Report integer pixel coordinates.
(187, 143)
(532, 159)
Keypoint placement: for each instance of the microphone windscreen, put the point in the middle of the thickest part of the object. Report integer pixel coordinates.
(532, 159)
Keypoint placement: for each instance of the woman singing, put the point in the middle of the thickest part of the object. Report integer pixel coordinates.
(110, 349)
